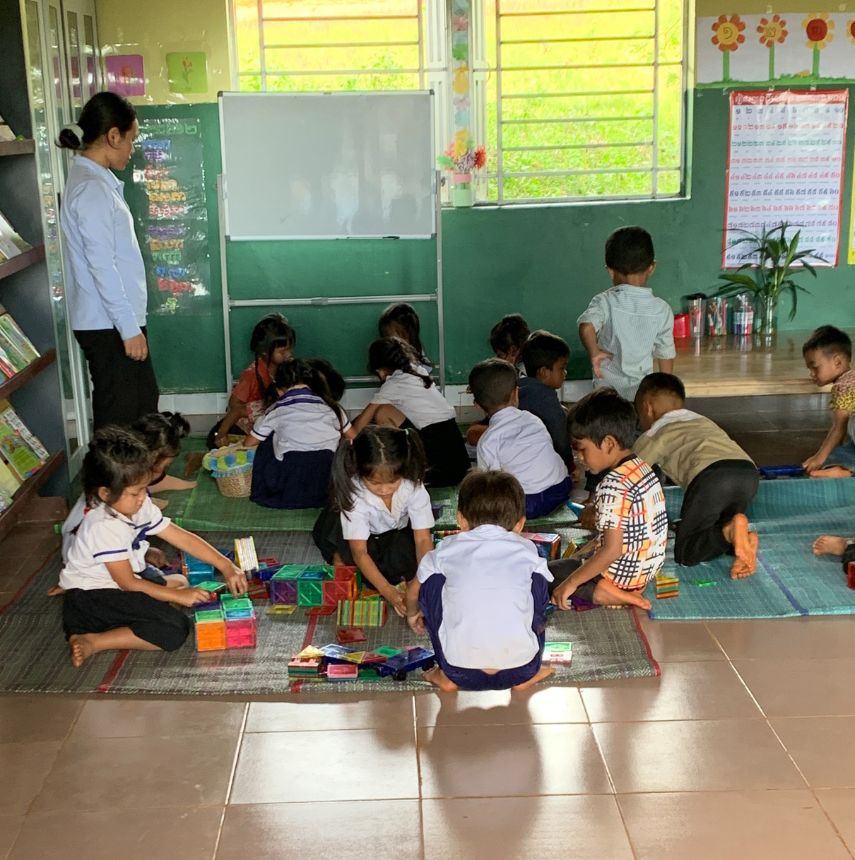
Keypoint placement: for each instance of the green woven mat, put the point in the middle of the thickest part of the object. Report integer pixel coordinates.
(606, 645)
(207, 510)
(788, 515)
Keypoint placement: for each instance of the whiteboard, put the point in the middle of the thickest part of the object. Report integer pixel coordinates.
(328, 165)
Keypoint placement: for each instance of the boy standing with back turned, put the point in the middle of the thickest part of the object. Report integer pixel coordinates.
(626, 327)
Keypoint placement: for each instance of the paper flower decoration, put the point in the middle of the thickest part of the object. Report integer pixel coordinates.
(463, 157)
(728, 35)
(819, 31)
(772, 31)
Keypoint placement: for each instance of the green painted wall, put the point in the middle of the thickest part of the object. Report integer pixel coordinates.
(543, 261)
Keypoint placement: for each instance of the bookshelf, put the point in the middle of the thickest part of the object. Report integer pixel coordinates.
(27, 290)
(17, 147)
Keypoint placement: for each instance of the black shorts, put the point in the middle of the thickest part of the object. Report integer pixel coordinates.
(101, 609)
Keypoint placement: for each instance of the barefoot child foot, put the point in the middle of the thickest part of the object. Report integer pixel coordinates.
(438, 678)
(608, 594)
(830, 472)
(543, 672)
(741, 569)
(55, 591)
(80, 646)
(830, 545)
(744, 543)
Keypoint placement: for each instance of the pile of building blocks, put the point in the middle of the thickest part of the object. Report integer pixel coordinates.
(231, 625)
(339, 663)
(196, 571)
(548, 545)
(245, 556)
(667, 586)
(313, 585)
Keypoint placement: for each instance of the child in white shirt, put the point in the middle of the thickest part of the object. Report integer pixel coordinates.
(516, 441)
(409, 399)
(381, 518)
(298, 436)
(107, 604)
(482, 594)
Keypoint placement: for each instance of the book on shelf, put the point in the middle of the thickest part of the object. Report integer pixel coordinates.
(15, 342)
(6, 133)
(9, 481)
(19, 447)
(11, 243)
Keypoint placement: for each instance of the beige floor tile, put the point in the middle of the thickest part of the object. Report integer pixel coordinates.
(761, 825)
(10, 826)
(686, 691)
(318, 831)
(337, 765)
(786, 638)
(822, 748)
(503, 828)
(801, 688)
(23, 770)
(839, 804)
(501, 707)
(506, 761)
(677, 642)
(139, 834)
(129, 718)
(139, 773)
(37, 718)
(307, 716)
(697, 755)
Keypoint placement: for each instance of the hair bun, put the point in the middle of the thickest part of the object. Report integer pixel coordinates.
(71, 136)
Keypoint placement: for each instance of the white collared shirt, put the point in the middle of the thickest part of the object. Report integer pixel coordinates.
(487, 604)
(370, 516)
(301, 421)
(107, 285)
(518, 442)
(105, 535)
(423, 406)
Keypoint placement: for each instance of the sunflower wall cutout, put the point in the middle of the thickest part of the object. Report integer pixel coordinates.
(772, 48)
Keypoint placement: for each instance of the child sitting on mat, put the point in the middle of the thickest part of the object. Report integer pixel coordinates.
(381, 518)
(401, 320)
(516, 441)
(298, 437)
(545, 356)
(272, 342)
(632, 522)
(718, 477)
(482, 594)
(828, 355)
(108, 604)
(506, 340)
(408, 398)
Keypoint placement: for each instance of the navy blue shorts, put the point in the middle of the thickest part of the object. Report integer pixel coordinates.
(543, 503)
(430, 602)
(299, 480)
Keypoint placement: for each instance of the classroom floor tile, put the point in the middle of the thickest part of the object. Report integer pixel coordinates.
(686, 765)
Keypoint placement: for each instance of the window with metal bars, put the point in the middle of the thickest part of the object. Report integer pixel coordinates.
(574, 99)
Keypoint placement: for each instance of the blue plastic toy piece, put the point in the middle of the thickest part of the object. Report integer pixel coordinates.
(791, 471)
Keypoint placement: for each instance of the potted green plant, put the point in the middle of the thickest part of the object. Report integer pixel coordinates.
(774, 260)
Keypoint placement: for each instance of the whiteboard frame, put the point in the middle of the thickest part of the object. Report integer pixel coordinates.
(435, 186)
(320, 301)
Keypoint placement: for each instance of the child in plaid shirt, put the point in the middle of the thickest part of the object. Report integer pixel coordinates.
(632, 523)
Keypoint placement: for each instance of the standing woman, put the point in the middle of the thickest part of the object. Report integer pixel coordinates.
(106, 290)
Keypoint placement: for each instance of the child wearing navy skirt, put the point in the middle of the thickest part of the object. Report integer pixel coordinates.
(408, 399)
(482, 594)
(381, 518)
(297, 438)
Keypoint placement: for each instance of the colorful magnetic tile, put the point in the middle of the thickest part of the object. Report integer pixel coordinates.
(209, 615)
(362, 612)
(310, 652)
(290, 571)
(337, 589)
(387, 651)
(548, 545)
(211, 586)
(241, 634)
(282, 610)
(310, 592)
(350, 635)
(317, 572)
(344, 572)
(558, 652)
(245, 556)
(342, 672)
(354, 657)
(257, 591)
(315, 611)
(283, 591)
(333, 651)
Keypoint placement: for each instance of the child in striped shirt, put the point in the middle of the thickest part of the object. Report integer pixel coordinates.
(625, 328)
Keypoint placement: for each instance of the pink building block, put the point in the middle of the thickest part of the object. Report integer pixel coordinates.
(241, 633)
(338, 589)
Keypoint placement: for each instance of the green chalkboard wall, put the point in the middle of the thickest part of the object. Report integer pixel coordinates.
(543, 261)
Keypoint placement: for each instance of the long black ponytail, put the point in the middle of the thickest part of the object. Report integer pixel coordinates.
(393, 353)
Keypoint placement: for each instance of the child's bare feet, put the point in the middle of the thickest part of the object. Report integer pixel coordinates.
(81, 649)
(744, 543)
(543, 672)
(170, 482)
(156, 557)
(438, 678)
(830, 472)
(608, 594)
(55, 591)
(825, 545)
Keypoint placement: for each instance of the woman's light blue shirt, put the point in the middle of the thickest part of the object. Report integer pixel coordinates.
(107, 286)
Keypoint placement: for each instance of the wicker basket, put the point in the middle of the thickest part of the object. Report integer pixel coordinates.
(236, 482)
